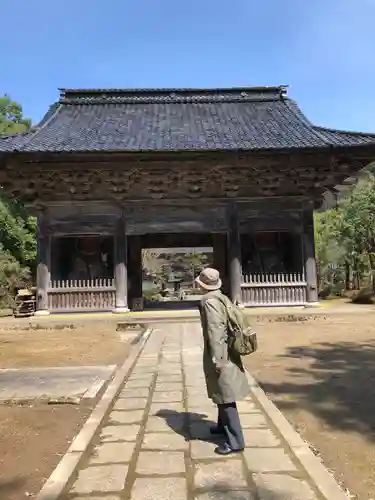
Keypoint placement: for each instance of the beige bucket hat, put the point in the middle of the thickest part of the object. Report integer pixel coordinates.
(209, 279)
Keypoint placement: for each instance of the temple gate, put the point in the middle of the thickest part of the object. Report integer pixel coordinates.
(109, 172)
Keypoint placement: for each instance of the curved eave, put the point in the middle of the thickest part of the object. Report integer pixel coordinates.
(345, 138)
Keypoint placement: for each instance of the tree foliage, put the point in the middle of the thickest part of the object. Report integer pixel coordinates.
(17, 228)
(162, 266)
(11, 117)
(345, 237)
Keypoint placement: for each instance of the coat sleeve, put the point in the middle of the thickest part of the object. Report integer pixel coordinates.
(216, 330)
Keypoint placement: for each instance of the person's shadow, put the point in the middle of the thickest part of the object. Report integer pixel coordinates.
(192, 426)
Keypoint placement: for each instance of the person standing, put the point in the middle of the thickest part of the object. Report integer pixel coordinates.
(225, 375)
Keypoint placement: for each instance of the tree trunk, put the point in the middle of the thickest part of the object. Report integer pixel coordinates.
(372, 264)
(348, 276)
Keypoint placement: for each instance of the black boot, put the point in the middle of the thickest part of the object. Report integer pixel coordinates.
(217, 431)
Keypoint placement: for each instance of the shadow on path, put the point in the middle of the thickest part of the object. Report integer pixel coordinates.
(338, 385)
(192, 426)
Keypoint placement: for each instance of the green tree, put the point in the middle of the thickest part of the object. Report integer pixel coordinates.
(11, 117)
(17, 232)
(193, 263)
(17, 229)
(329, 254)
(356, 226)
(12, 275)
(345, 236)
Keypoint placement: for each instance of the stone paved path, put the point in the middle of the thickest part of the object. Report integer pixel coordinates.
(155, 443)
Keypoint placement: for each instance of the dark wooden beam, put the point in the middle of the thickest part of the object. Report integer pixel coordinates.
(43, 261)
(220, 260)
(234, 255)
(121, 275)
(135, 268)
(309, 257)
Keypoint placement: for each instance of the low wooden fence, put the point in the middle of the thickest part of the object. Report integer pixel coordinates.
(273, 289)
(82, 295)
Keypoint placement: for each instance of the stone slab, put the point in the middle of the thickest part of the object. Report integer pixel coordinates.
(168, 397)
(138, 384)
(143, 371)
(282, 487)
(202, 450)
(142, 380)
(253, 420)
(126, 417)
(101, 478)
(268, 460)
(164, 441)
(169, 365)
(160, 462)
(138, 375)
(98, 498)
(165, 406)
(260, 437)
(168, 386)
(112, 453)
(194, 380)
(199, 400)
(114, 433)
(224, 495)
(130, 404)
(173, 488)
(169, 371)
(220, 475)
(202, 414)
(169, 377)
(141, 392)
(170, 424)
(246, 406)
(200, 389)
(53, 383)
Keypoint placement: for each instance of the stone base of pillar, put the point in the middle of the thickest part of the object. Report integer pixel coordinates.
(42, 312)
(120, 310)
(311, 305)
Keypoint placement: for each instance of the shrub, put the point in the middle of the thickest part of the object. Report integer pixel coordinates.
(364, 296)
(12, 276)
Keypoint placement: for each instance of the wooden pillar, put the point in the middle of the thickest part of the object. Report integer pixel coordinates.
(219, 243)
(234, 256)
(121, 275)
(135, 267)
(309, 258)
(42, 270)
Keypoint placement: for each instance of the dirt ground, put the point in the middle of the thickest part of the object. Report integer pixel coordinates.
(321, 374)
(68, 345)
(33, 438)
(32, 442)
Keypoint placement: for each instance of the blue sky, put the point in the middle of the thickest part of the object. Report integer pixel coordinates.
(324, 49)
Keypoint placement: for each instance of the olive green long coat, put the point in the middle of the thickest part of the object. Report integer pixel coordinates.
(229, 384)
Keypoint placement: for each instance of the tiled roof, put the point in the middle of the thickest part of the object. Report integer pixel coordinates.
(177, 119)
(13, 142)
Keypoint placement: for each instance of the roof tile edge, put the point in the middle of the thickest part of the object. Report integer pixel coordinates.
(244, 94)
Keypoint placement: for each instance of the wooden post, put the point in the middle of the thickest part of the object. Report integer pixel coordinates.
(135, 266)
(121, 275)
(219, 243)
(42, 270)
(234, 255)
(309, 258)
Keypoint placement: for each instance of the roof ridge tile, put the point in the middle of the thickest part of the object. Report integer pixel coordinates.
(124, 96)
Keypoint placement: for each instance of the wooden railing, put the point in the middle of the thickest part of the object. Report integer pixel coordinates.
(81, 295)
(273, 289)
